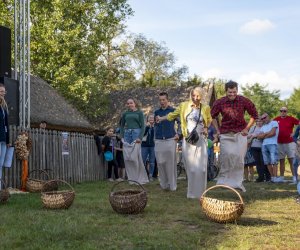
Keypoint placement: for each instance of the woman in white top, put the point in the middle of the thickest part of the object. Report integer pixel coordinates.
(262, 170)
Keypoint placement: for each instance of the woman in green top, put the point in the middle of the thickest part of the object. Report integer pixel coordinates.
(132, 125)
(193, 115)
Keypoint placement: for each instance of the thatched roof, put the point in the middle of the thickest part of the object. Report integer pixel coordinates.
(148, 99)
(48, 105)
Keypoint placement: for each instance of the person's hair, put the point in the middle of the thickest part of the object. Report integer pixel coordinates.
(164, 94)
(231, 85)
(108, 128)
(148, 116)
(199, 90)
(43, 122)
(3, 103)
(137, 105)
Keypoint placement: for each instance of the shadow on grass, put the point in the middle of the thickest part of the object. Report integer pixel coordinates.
(247, 221)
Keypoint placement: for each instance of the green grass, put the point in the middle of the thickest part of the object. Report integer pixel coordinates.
(170, 221)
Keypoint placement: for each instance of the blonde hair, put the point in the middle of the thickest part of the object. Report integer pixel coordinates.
(200, 91)
(3, 103)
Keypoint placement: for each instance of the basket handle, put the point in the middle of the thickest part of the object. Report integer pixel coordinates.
(4, 183)
(224, 186)
(58, 180)
(40, 171)
(113, 187)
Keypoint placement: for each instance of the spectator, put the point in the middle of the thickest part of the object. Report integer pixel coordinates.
(148, 146)
(119, 155)
(286, 145)
(108, 145)
(255, 148)
(269, 134)
(233, 134)
(43, 124)
(166, 139)
(4, 128)
(98, 143)
(194, 116)
(296, 162)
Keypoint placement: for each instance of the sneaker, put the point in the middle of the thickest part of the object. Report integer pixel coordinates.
(119, 179)
(279, 179)
(259, 180)
(111, 179)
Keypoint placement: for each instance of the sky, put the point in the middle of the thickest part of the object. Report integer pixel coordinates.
(246, 41)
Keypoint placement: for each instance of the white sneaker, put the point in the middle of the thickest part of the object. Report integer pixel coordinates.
(111, 179)
(280, 179)
(119, 179)
(294, 181)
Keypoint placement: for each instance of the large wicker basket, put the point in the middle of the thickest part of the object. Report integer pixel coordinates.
(58, 199)
(37, 185)
(128, 201)
(222, 211)
(4, 194)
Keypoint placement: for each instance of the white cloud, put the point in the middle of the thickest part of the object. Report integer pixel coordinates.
(212, 73)
(273, 80)
(257, 26)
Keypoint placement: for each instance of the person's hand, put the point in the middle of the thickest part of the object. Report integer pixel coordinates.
(138, 140)
(205, 131)
(244, 132)
(176, 137)
(8, 145)
(157, 119)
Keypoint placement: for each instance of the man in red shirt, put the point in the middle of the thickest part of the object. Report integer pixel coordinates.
(286, 144)
(233, 134)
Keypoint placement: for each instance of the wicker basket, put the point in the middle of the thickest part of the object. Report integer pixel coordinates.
(128, 201)
(37, 185)
(4, 194)
(222, 211)
(58, 199)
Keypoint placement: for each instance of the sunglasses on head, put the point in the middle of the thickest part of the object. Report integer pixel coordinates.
(262, 118)
(283, 110)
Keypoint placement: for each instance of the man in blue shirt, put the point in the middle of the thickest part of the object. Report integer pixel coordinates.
(166, 139)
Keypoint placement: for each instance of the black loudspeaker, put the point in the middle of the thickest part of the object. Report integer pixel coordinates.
(5, 51)
(12, 99)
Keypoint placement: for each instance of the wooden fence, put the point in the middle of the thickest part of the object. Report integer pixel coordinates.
(81, 164)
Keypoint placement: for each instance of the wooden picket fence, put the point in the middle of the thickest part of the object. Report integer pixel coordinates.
(81, 164)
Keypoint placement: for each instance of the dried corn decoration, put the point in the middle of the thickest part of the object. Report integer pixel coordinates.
(22, 146)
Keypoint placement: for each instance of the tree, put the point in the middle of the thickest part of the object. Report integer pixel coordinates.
(153, 62)
(264, 100)
(293, 103)
(72, 46)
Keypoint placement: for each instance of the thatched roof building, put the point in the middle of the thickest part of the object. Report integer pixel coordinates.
(148, 99)
(48, 105)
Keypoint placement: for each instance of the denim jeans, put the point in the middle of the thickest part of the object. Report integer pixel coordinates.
(149, 152)
(270, 154)
(2, 157)
(296, 164)
(130, 135)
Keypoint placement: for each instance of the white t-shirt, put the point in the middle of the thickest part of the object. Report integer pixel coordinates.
(267, 128)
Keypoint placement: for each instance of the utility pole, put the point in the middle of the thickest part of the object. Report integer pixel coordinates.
(22, 57)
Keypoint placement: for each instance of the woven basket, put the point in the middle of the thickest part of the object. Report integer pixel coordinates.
(128, 201)
(222, 211)
(37, 185)
(58, 199)
(4, 194)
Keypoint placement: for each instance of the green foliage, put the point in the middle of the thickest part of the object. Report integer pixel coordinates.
(153, 62)
(293, 103)
(264, 100)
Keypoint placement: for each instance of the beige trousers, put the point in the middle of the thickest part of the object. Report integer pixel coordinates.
(195, 162)
(233, 148)
(165, 153)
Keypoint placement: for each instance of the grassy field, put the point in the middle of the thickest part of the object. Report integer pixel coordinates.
(170, 221)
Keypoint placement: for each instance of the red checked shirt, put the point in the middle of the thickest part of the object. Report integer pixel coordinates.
(233, 113)
(286, 126)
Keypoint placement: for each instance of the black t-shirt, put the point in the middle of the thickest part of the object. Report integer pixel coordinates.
(108, 143)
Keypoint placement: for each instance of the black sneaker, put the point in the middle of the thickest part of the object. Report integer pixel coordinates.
(259, 180)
